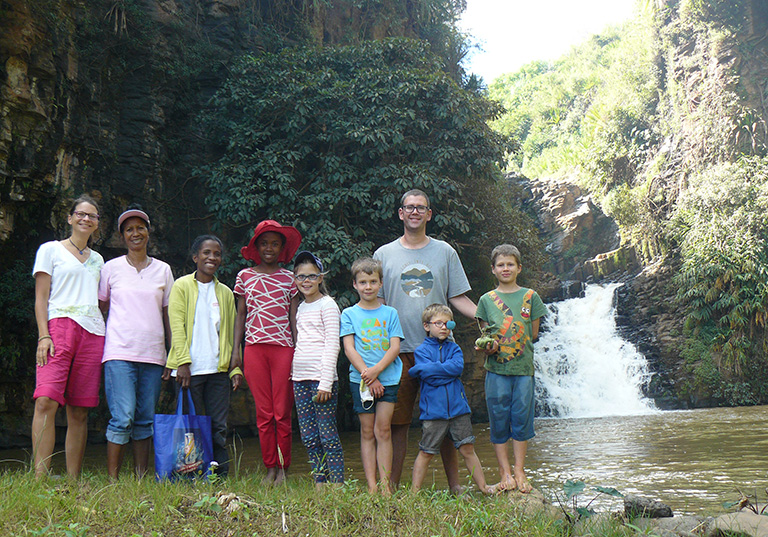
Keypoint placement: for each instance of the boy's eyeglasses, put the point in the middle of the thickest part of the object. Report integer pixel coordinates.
(420, 209)
(450, 325)
(310, 277)
(83, 215)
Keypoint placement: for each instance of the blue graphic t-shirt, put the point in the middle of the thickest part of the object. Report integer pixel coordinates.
(372, 330)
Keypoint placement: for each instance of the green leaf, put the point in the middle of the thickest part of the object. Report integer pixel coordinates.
(573, 488)
(609, 491)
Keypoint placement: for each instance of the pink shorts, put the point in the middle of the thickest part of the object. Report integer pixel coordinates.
(72, 375)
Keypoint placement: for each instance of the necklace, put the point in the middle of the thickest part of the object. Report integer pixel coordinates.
(81, 252)
(138, 268)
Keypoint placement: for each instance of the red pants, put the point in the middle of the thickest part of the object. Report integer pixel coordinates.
(267, 370)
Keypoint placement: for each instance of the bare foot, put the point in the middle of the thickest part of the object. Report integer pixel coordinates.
(490, 490)
(319, 486)
(269, 479)
(523, 485)
(458, 490)
(280, 477)
(507, 483)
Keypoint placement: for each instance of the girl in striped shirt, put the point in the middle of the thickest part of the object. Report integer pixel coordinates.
(315, 380)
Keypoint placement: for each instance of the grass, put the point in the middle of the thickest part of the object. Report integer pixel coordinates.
(94, 506)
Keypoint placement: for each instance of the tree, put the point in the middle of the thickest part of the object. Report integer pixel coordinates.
(328, 139)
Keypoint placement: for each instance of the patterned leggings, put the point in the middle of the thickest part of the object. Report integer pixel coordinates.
(317, 423)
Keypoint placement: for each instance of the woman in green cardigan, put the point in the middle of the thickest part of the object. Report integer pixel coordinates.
(202, 314)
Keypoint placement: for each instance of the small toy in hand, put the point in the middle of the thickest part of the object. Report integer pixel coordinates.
(485, 338)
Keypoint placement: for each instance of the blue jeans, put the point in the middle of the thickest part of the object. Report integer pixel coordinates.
(132, 390)
(511, 405)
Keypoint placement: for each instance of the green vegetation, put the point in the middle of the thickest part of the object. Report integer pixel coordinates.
(328, 139)
(662, 120)
(97, 507)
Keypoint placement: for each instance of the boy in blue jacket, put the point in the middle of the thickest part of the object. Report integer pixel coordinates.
(443, 403)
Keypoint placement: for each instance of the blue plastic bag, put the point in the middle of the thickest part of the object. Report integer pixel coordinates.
(183, 443)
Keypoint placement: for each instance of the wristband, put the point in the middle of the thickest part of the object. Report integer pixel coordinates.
(44, 337)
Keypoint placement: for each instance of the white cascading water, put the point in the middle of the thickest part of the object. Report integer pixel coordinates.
(583, 366)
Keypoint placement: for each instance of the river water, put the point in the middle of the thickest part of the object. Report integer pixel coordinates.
(602, 432)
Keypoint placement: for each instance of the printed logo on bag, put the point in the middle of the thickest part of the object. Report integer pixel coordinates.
(189, 455)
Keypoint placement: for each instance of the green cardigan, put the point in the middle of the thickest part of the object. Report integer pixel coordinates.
(181, 313)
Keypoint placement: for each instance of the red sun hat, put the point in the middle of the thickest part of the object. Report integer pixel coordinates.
(292, 242)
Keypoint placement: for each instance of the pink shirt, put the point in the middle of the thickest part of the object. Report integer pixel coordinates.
(317, 342)
(268, 304)
(135, 330)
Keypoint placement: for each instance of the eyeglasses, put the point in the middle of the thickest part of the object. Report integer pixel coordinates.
(83, 215)
(450, 325)
(310, 277)
(420, 209)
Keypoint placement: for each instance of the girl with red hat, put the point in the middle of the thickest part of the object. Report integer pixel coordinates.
(266, 308)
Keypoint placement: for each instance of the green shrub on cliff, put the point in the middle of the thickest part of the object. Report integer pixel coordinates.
(720, 223)
(328, 139)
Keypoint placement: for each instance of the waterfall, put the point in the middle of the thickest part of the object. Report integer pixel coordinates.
(583, 367)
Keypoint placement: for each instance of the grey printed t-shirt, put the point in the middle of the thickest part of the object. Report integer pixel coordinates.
(414, 279)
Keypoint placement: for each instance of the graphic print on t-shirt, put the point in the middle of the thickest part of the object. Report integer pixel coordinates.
(374, 334)
(417, 280)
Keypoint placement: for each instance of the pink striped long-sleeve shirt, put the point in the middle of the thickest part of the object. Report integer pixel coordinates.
(317, 343)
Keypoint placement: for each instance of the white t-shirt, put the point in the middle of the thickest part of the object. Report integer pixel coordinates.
(204, 348)
(135, 330)
(74, 285)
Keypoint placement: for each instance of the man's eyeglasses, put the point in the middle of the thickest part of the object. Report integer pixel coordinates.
(310, 277)
(83, 215)
(450, 325)
(420, 209)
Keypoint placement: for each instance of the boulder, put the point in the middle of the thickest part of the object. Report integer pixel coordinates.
(741, 523)
(679, 526)
(638, 506)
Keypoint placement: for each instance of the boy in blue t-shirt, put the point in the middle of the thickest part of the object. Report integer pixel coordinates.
(371, 336)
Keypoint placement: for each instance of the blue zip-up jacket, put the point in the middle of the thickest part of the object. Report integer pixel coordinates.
(439, 365)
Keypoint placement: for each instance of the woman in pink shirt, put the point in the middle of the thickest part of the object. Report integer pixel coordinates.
(134, 289)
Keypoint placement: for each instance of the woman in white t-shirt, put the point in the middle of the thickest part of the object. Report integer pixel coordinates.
(71, 337)
(134, 290)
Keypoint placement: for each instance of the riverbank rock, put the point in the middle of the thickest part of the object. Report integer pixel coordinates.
(638, 506)
(534, 503)
(741, 523)
(679, 526)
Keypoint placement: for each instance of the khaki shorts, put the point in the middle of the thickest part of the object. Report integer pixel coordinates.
(407, 394)
(433, 432)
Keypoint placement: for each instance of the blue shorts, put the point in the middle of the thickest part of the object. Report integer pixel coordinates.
(390, 396)
(511, 404)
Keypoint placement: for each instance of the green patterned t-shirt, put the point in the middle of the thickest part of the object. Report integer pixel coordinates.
(512, 328)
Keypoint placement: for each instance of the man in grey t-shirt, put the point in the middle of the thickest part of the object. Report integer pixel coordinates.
(419, 271)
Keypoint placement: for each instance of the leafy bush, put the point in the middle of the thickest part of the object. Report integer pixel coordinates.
(328, 139)
(720, 223)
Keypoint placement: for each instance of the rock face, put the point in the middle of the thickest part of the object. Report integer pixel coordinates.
(101, 97)
(574, 227)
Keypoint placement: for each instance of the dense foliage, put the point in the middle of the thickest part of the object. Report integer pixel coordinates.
(659, 120)
(328, 139)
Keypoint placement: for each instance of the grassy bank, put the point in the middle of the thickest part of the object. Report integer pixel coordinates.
(97, 507)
